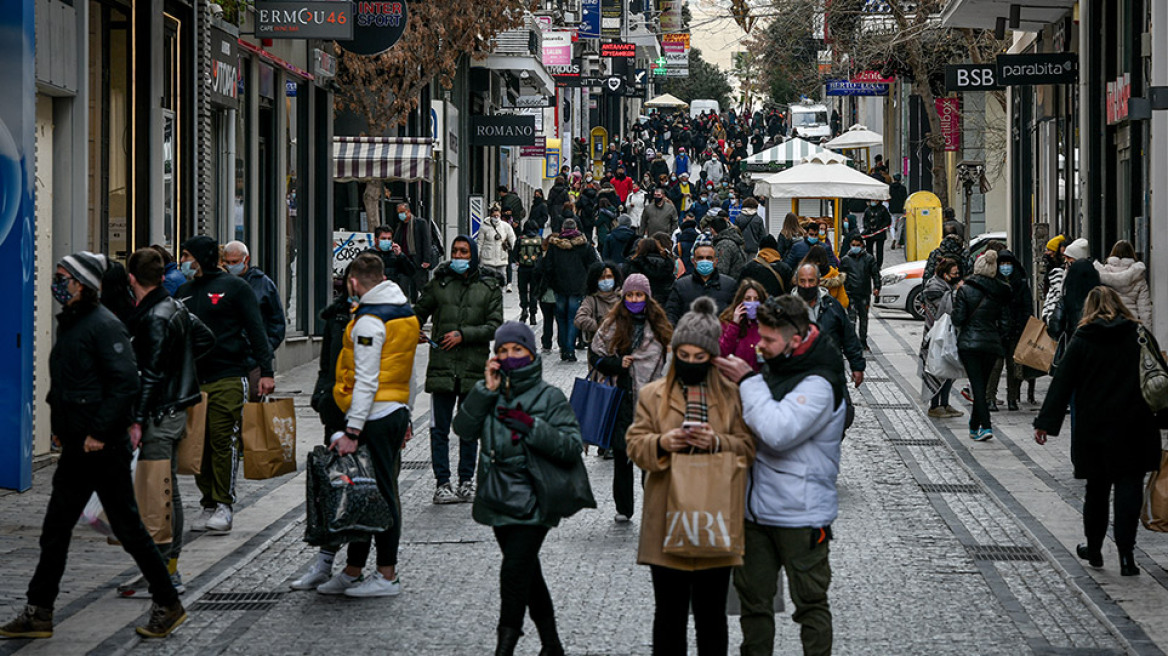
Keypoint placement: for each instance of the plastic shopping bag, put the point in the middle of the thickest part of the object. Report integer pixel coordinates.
(93, 515)
(943, 360)
(344, 502)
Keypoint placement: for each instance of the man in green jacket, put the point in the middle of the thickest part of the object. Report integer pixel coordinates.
(465, 303)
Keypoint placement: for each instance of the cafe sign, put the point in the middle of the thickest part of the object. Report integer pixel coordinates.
(279, 19)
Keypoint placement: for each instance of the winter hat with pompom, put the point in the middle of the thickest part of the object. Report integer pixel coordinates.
(700, 327)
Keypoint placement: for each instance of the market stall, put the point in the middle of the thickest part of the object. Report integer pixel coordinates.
(667, 101)
(858, 138)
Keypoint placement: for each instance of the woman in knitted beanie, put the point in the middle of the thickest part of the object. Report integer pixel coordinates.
(692, 407)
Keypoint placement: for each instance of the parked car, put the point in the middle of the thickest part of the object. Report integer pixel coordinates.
(900, 285)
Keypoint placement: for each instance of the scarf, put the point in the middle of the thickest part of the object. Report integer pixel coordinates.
(696, 408)
(769, 255)
(569, 234)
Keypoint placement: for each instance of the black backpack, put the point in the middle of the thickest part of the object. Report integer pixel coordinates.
(530, 251)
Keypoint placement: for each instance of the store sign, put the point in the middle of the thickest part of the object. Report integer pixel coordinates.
(872, 76)
(1118, 95)
(611, 16)
(565, 75)
(1043, 68)
(848, 88)
(324, 65)
(971, 77)
(675, 48)
(615, 86)
(669, 13)
(949, 111)
(618, 49)
(538, 150)
(280, 19)
(589, 19)
(557, 48)
(531, 101)
(378, 27)
(224, 78)
(502, 130)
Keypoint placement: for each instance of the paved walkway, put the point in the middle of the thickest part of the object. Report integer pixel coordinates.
(942, 547)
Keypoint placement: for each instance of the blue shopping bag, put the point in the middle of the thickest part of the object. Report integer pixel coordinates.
(596, 404)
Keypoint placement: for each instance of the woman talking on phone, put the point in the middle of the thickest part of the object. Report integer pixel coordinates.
(692, 408)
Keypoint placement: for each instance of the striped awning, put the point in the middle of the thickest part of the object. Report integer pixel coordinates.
(404, 159)
(790, 152)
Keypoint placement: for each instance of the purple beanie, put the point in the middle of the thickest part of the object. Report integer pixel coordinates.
(636, 283)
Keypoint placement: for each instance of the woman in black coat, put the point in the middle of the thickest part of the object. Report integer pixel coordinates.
(1115, 438)
(981, 317)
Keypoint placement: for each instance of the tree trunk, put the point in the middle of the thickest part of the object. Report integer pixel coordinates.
(372, 202)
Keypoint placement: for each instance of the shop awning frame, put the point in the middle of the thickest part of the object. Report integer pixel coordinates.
(983, 14)
(538, 75)
(396, 159)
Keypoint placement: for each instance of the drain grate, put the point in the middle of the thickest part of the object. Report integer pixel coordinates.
(415, 464)
(896, 441)
(957, 488)
(892, 406)
(1004, 552)
(238, 601)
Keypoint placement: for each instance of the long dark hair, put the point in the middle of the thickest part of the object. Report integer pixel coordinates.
(622, 324)
(596, 270)
(746, 285)
(116, 294)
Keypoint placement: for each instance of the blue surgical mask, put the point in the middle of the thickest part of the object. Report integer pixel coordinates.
(705, 198)
(237, 268)
(856, 250)
(459, 266)
(704, 267)
(813, 240)
(401, 216)
(1006, 270)
(188, 269)
(606, 285)
(385, 245)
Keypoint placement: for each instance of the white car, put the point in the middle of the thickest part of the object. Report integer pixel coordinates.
(900, 285)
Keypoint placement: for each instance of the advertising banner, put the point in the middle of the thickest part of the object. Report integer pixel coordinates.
(949, 110)
(589, 19)
(611, 17)
(669, 12)
(279, 19)
(557, 48)
(17, 160)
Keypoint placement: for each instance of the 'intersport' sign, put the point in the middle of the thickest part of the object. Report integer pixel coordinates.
(502, 130)
(303, 20)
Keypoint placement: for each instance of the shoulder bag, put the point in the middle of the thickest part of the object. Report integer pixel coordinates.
(1153, 372)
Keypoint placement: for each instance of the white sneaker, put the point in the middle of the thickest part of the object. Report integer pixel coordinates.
(466, 491)
(375, 586)
(339, 583)
(312, 579)
(621, 519)
(200, 523)
(220, 521)
(445, 494)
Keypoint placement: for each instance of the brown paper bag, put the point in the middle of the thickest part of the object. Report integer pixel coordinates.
(190, 448)
(269, 439)
(1035, 348)
(706, 505)
(154, 491)
(1154, 514)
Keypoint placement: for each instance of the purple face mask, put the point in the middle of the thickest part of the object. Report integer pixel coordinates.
(751, 309)
(637, 307)
(511, 364)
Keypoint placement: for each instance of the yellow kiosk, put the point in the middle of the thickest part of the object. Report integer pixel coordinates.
(597, 144)
(922, 225)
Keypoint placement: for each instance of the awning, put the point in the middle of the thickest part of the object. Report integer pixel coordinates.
(791, 151)
(401, 159)
(983, 14)
(537, 75)
(667, 101)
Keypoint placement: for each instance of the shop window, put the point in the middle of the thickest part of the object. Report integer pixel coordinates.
(110, 134)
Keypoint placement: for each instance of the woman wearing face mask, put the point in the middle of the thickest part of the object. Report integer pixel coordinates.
(510, 411)
(604, 284)
(630, 347)
(692, 407)
(937, 297)
(740, 323)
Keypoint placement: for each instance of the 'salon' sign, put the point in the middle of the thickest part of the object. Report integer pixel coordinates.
(502, 130)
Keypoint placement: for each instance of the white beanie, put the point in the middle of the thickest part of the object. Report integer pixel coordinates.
(1079, 249)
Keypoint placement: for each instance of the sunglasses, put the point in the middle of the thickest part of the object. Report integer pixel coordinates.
(61, 277)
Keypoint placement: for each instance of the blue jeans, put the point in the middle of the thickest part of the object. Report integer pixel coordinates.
(442, 406)
(566, 307)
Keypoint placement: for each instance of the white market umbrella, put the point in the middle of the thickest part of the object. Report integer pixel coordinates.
(791, 151)
(857, 136)
(825, 175)
(666, 100)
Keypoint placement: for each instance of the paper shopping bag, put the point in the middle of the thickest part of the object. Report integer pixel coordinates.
(1035, 348)
(1154, 514)
(190, 448)
(269, 439)
(154, 491)
(706, 505)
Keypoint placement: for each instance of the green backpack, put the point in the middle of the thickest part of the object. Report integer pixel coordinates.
(530, 251)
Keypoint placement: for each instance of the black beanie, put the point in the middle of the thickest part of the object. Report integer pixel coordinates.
(205, 250)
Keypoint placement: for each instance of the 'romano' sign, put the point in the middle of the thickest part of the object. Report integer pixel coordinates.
(502, 130)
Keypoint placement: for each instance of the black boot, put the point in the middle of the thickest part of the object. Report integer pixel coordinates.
(1012, 406)
(549, 638)
(523, 317)
(1127, 564)
(1094, 558)
(508, 638)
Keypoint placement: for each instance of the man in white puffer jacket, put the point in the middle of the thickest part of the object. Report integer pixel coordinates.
(1129, 279)
(797, 409)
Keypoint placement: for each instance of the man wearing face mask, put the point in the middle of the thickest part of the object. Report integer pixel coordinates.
(659, 215)
(798, 410)
(237, 261)
(228, 306)
(877, 221)
(398, 267)
(861, 284)
(831, 318)
(466, 307)
(1011, 272)
(704, 281)
(419, 243)
(811, 237)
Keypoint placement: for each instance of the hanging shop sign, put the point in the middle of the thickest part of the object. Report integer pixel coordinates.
(224, 79)
(848, 88)
(538, 150)
(589, 19)
(502, 130)
(1038, 68)
(557, 48)
(971, 77)
(669, 13)
(324, 64)
(675, 48)
(528, 102)
(279, 19)
(618, 49)
(611, 15)
(1118, 96)
(872, 76)
(378, 26)
(949, 111)
(615, 85)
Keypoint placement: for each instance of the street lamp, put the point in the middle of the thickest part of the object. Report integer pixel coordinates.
(970, 172)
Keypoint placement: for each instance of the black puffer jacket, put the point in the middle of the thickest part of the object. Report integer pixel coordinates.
(1021, 300)
(167, 340)
(93, 377)
(658, 269)
(565, 265)
(949, 247)
(981, 315)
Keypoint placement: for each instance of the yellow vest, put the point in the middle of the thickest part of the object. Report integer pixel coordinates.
(397, 355)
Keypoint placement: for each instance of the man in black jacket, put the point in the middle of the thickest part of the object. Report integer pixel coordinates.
(898, 195)
(863, 280)
(416, 239)
(93, 385)
(509, 200)
(831, 318)
(167, 340)
(237, 261)
(877, 221)
(398, 267)
(228, 306)
(1021, 308)
(704, 281)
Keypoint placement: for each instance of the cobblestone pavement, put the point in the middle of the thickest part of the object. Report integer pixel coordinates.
(930, 557)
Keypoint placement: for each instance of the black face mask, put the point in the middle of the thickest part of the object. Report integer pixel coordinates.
(808, 294)
(691, 373)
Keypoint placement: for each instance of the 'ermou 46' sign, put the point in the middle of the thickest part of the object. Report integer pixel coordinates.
(362, 28)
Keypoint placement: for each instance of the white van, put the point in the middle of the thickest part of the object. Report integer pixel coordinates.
(809, 121)
(698, 107)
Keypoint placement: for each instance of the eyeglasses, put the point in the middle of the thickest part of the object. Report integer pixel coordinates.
(62, 277)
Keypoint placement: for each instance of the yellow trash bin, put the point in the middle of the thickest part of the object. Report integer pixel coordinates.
(922, 225)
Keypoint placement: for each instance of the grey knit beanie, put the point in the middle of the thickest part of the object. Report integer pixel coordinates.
(700, 326)
(85, 267)
(513, 332)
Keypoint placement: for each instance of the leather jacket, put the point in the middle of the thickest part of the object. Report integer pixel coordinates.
(167, 340)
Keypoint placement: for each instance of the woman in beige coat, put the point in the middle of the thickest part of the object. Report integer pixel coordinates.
(695, 394)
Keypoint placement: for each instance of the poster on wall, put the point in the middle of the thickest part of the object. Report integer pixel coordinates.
(17, 121)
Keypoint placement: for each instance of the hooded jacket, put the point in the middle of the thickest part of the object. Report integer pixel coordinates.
(539, 212)
(750, 224)
(565, 265)
(981, 315)
(336, 319)
(728, 244)
(227, 305)
(557, 196)
(470, 303)
(593, 309)
(1130, 280)
(619, 243)
(949, 247)
(767, 269)
(798, 435)
(658, 269)
(1021, 300)
(496, 239)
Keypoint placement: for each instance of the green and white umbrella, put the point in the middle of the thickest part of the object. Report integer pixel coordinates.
(784, 155)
